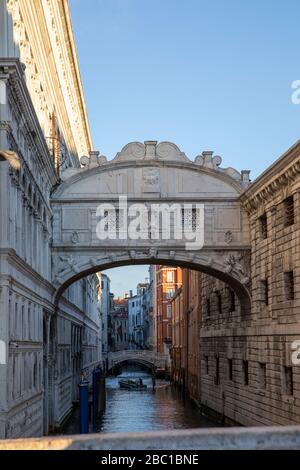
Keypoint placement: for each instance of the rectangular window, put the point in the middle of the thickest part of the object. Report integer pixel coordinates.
(265, 291)
(169, 311)
(170, 276)
(289, 285)
(189, 219)
(230, 369)
(206, 363)
(262, 375)
(288, 205)
(112, 220)
(217, 376)
(170, 293)
(219, 302)
(245, 367)
(263, 227)
(288, 386)
(231, 301)
(208, 307)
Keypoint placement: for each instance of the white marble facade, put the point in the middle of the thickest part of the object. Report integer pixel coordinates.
(44, 345)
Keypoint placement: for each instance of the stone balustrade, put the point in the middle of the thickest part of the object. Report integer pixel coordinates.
(252, 438)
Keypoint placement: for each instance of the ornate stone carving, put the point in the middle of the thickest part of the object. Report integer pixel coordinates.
(102, 159)
(84, 160)
(12, 158)
(150, 150)
(237, 264)
(75, 238)
(131, 151)
(153, 253)
(207, 160)
(64, 263)
(150, 180)
(170, 151)
(228, 237)
(93, 160)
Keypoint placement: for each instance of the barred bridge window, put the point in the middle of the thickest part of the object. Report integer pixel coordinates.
(114, 220)
(189, 219)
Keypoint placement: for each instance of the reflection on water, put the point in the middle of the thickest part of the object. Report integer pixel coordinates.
(145, 410)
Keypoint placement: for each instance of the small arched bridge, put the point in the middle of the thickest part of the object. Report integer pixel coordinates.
(143, 357)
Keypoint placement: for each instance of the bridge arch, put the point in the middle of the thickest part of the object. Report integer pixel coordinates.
(146, 358)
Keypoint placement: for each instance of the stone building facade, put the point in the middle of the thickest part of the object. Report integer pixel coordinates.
(119, 324)
(105, 312)
(247, 373)
(43, 130)
(241, 368)
(140, 308)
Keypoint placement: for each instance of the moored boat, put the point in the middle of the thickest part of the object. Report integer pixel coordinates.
(132, 384)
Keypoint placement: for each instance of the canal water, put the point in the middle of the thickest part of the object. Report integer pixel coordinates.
(145, 410)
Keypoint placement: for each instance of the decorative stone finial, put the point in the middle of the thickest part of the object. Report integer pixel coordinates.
(245, 177)
(150, 149)
(93, 159)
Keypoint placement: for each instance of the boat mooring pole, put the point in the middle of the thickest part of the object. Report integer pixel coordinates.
(84, 406)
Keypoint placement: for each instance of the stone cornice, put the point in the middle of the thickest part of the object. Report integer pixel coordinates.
(43, 32)
(70, 44)
(153, 155)
(282, 173)
(12, 71)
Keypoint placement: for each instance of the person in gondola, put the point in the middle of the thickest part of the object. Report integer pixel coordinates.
(140, 381)
(153, 382)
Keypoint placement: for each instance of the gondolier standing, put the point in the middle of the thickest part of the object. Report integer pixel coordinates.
(153, 381)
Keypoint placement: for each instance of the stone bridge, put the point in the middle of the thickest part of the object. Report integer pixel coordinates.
(144, 357)
(151, 175)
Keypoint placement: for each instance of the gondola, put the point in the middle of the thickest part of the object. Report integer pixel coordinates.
(132, 384)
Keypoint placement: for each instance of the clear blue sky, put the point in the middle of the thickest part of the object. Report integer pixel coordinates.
(127, 277)
(205, 74)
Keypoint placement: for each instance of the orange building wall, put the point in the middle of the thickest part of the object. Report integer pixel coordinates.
(186, 319)
(168, 280)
